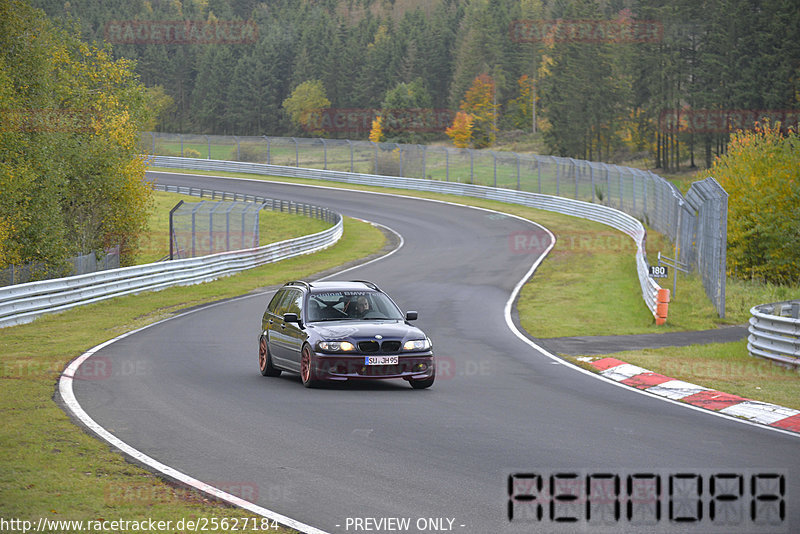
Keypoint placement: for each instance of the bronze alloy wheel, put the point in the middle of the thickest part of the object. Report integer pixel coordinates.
(264, 360)
(307, 374)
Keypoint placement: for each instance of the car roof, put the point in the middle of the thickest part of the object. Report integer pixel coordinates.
(354, 285)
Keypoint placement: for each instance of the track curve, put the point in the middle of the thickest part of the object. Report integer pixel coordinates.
(188, 393)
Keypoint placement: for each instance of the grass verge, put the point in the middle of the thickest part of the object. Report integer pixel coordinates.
(50, 467)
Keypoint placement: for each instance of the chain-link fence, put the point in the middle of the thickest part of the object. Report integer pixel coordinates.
(80, 264)
(642, 194)
(202, 228)
(705, 230)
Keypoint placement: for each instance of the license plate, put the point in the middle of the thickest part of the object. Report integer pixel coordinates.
(380, 360)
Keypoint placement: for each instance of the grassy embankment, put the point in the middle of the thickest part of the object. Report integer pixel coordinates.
(53, 469)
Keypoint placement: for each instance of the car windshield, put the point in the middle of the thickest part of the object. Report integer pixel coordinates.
(351, 305)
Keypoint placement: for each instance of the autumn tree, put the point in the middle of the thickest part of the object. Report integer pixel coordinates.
(376, 133)
(70, 170)
(520, 110)
(461, 130)
(479, 104)
(761, 175)
(306, 104)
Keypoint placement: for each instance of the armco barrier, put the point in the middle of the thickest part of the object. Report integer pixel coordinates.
(23, 303)
(577, 208)
(775, 332)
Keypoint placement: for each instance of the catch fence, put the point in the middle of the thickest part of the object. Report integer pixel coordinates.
(80, 264)
(203, 228)
(695, 223)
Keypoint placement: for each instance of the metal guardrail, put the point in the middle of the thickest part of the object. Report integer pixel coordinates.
(577, 208)
(775, 332)
(23, 303)
(696, 223)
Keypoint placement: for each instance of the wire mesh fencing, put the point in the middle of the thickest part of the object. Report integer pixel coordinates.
(706, 230)
(640, 193)
(205, 227)
(80, 264)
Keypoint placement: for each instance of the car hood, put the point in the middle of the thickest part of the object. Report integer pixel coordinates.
(368, 329)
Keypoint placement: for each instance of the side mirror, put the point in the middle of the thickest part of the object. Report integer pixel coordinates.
(290, 318)
(411, 316)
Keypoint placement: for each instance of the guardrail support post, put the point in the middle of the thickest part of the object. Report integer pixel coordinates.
(424, 159)
(494, 163)
(172, 231)
(471, 166)
(400, 148)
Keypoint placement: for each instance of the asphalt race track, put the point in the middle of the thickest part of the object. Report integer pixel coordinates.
(188, 393)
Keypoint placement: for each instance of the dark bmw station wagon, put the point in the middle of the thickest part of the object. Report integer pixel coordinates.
(335, 331)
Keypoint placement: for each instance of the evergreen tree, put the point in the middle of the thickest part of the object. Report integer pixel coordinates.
(406, 113)
(209, 94)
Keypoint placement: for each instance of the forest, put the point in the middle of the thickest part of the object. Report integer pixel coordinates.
(602, 80)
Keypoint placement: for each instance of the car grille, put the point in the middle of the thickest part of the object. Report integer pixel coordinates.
(368, 346)
(374, 346)
(390, 346)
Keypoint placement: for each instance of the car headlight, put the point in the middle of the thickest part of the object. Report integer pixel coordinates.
(417, 344)
(336, 346)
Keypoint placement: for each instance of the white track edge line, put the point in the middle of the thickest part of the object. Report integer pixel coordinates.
(71, 402)
(68, 397)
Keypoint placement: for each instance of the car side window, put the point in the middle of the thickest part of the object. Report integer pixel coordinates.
(275, 303)
(295, 302)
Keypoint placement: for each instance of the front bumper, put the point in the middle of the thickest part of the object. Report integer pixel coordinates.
(415, 365)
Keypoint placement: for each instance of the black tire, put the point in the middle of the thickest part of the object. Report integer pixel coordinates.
(265, 360)
(424, 383)
(307, 374)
